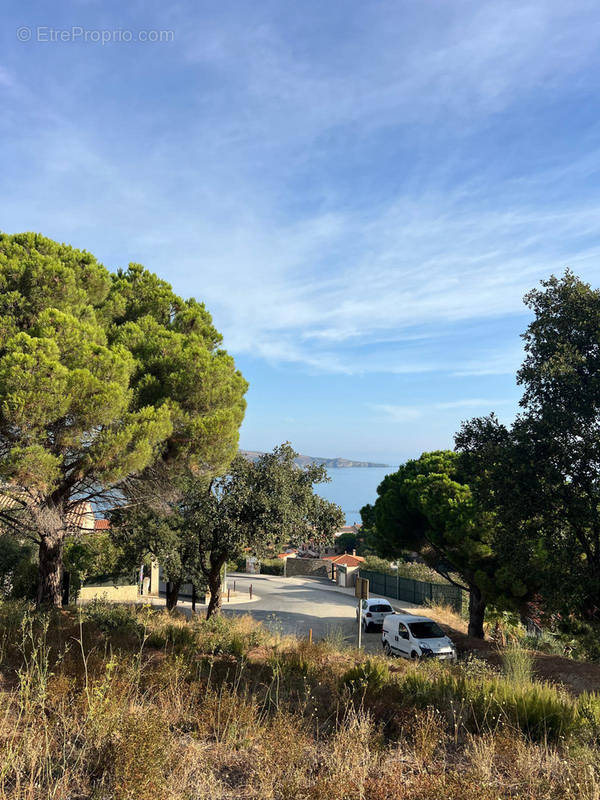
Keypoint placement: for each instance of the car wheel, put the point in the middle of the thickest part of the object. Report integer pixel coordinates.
(414, 655)
(387, 649)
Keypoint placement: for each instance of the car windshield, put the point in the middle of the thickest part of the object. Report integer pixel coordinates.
(426, 630)
(381, 607)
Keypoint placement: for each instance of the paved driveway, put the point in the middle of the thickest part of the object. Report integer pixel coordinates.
(294, 605)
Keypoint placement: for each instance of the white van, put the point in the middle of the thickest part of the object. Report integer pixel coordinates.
(415, 637)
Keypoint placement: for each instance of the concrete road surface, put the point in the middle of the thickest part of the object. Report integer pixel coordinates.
(294, 605)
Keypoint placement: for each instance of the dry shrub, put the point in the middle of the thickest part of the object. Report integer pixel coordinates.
(426, 736)
(283, 758)
(500, 767)
(481, 754)
(348, 758)
(141, 755)
(227, 717)
(398, 781)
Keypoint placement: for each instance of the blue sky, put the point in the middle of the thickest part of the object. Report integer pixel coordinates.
(361, 192)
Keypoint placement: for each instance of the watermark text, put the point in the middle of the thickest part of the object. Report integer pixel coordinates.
(102, 36)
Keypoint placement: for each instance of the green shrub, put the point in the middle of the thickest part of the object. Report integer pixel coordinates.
(18, 568)
(581, 639)
(376, 564)
(236, 637)
(180, 637)
(588, 709)
(271, 566)
(111, 618)
(541, 711)
(546, 643)
(409, 569)
(268, 566)
(370, 674)
(12, 614)
(302, 660)
(518, 663)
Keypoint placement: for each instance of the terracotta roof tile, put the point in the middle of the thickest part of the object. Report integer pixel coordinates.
(345, 560)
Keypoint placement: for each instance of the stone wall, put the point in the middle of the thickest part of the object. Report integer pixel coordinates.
(308, 566)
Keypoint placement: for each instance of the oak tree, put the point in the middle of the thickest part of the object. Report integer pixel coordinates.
(541, 475)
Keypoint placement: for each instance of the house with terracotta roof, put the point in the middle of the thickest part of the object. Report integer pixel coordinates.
(346, 560)
(349, 561)
(290, 552)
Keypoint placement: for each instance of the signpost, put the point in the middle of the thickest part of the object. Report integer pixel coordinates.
(361, 592)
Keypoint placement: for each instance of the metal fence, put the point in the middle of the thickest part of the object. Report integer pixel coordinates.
(411, 591)
(111, 580)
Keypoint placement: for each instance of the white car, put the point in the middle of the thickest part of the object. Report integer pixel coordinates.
(414, 637)
(373, 611)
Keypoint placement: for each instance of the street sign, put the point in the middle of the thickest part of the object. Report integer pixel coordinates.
(361, 590)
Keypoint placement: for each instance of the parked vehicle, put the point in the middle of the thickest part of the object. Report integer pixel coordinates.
(373, 611)
(414, 637)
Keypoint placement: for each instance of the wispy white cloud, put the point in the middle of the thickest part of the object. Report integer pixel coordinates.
(411, 413)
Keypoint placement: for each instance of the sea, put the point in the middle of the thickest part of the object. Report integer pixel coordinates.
(352, 488)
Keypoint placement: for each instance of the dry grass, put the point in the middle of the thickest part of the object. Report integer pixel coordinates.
(146, 705)
(447, 616)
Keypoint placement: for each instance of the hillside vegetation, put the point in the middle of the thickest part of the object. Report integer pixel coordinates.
(118, 703)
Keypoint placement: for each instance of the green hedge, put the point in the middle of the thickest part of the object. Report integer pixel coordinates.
(268, 566)
(272, 566)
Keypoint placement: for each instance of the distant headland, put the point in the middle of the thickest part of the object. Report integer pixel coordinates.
(303, 461)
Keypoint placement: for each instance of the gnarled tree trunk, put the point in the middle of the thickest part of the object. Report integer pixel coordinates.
(49, 591)
(214, 587)
(477, 606)
(172, 594)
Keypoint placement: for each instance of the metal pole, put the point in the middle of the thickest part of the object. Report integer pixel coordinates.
(228, 591)
(359, 624)
(193, 597)
(250, 591)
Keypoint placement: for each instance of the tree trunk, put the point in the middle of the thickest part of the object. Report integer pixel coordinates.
(172, 594)
(66, 588)
(477, 605)
(49, 591)
(214, 587)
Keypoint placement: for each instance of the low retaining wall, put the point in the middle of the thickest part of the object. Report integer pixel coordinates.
(308, 566)
(111, 594)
